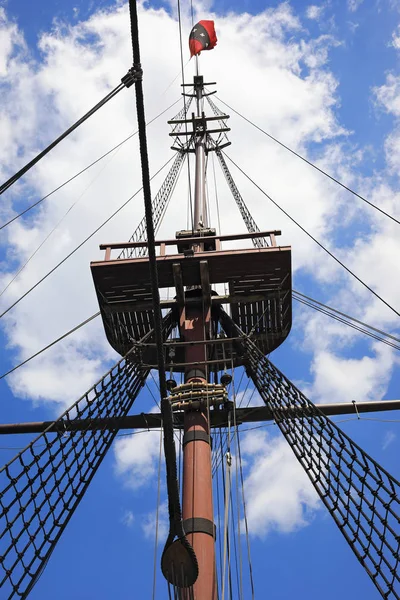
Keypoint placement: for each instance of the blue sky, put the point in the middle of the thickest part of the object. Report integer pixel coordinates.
(325, 78)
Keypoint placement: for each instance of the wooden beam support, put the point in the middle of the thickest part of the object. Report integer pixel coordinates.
(173, 242)
(219, 418)
(117, 307)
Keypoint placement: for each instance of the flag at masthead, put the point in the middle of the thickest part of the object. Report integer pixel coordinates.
(202, 37)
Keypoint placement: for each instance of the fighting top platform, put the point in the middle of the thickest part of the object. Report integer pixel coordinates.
(257, 284)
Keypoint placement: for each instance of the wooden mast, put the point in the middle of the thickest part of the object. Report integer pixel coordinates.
(195, 324)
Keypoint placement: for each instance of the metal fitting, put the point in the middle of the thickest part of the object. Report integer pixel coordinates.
(134, 74)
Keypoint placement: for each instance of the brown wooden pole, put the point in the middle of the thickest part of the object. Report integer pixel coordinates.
(197, 502)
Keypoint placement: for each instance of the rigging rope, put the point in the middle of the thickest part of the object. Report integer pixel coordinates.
(83, 170)
(175, 514)
(342, 320)
(217, 496)
(342, 314)
(237, 486)
(253, 227)
(126, 81)
(79, 245)
(312, 164)
(228, 458)
(244, 211)
(62, 337)
(185, 111)
(314, 239)
(245, 515)
(159, 206)
(157, 516)
(56, 226)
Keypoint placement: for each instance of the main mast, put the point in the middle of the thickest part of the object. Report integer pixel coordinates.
(195, 326)
(200, 199)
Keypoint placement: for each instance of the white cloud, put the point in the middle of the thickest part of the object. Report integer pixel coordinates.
(314, 12)
(353, 26)
(149, 522)
(128, 518)
(340, 379)
(136, 458)
(396, 38)
(354, 5)
(279, 495)
(388, 439)
(388, 94)
(10, 41)
(387, 97)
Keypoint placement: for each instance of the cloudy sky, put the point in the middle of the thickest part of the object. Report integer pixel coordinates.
(323, 78)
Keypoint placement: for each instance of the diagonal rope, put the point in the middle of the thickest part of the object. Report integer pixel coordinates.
(57, 225)
(79, 245)
(62, 337)
(159, 206)
(308, 162)
(315, 239)
(341, 317)
(334, 316)
(7, 184)
(59, 187)
(174, 506)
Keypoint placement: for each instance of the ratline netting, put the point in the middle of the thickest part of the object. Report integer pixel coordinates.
(43, 484)
(362, 497)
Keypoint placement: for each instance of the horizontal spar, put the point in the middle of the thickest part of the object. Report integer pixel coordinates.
(175, 241)
(218, 418)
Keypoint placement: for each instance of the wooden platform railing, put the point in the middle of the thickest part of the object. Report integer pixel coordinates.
(162, 244)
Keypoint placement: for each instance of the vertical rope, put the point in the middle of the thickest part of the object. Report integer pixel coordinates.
(157, 517)
(174, 506)
(226, 509)
(184, 104)
(245, 518)
(237, 487)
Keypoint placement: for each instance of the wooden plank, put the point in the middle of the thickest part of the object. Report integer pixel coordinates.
(173, 242)
(116, 307)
